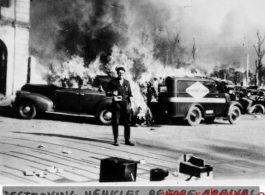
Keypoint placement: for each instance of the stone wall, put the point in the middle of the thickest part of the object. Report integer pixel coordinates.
(14, 32)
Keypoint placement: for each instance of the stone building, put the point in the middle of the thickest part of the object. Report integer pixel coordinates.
(14, 44)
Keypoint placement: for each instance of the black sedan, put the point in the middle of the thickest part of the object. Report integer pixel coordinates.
(34, 99)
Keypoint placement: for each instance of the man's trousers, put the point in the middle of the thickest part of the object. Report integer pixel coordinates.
(121, 115)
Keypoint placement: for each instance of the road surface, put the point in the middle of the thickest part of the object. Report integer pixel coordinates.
(77, 144)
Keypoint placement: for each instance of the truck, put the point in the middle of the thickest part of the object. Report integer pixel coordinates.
(194, 99)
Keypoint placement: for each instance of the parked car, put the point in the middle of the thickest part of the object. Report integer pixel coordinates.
(254, 104)
(102, 81)
(34, 99)
(193, 99)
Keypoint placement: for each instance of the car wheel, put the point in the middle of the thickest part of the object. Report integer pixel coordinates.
(27, 110)
(209, 119)
(194, 116)
(234, 115)
(258, 109)
(104, 116)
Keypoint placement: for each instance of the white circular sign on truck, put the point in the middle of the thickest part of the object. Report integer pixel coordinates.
(197, 90)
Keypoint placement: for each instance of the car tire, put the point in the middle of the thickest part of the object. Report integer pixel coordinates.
(257, 109)
(234, 115)
(104, 116)
(27, 110)
(194, 116)
(209, 120)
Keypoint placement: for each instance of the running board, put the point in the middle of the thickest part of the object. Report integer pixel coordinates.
(71, 114)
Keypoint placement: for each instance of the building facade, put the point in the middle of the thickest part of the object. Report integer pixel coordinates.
(14, 44)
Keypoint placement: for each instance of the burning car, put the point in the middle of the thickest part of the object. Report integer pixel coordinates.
(194, 99)
(34, 99)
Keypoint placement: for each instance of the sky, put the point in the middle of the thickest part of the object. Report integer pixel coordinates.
(224, 31)
(227, 25)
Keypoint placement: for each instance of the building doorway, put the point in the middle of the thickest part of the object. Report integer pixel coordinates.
(3, 67)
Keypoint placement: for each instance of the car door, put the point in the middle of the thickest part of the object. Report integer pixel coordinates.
(66, 99)
(88, 99)
(217, 99)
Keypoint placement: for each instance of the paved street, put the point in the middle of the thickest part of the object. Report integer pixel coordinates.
(235, 151)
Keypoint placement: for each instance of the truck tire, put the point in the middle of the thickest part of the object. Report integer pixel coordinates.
(234, 115)
(194, 116)
(104, 115)
(26, 110)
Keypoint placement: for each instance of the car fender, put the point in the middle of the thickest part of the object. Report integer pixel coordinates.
(246, 104)
(250, 110)
(106, 101)
(231, 104)
(42, 103)
(196, 105)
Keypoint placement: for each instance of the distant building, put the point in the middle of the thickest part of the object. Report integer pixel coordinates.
(14, 44)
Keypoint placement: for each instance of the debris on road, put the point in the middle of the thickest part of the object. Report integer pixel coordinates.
(116, 169)
(41, 174)
(51, 169)
(152, 129)
(194, 166)
(158, 174)
(29, 173)
(142, 161)
(54, 169)
(42, 146)
(67, 152)
(59, 170)
(256, 116)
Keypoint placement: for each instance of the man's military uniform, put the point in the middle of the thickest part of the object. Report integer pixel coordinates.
(120, 109)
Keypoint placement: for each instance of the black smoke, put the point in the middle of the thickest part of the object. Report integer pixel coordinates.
(86, 28)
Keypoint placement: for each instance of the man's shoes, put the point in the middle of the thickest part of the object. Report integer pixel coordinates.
(128, 143)
(116, 144)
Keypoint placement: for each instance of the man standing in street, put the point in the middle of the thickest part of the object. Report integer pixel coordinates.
(120, 89)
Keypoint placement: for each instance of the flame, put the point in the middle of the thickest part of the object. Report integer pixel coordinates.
(73, 73)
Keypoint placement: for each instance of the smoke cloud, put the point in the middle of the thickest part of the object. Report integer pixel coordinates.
(64, 28)
(152, 33)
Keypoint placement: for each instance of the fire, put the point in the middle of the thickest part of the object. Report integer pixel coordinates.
(151, 38)
(73, 73)
(117, 33)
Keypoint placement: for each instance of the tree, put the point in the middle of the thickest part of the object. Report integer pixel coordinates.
(260, 53)
(262, 76)
(238, 77)
(172, 46)
(193, 50)
(230, 74)
(251, 78)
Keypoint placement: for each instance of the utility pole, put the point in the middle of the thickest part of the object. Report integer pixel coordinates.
(260, 53)
(247, 69)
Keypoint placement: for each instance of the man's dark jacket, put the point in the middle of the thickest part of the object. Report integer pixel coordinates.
(124, 90)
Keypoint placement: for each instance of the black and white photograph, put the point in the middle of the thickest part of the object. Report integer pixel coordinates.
(132, 92)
